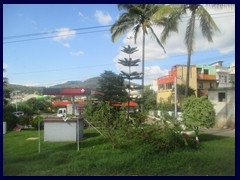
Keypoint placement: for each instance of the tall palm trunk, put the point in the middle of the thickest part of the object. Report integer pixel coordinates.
(143, 64)
(188, 73)
(189, 41)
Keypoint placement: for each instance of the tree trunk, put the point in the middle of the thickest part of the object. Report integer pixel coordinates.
(143, 64)
(188, 73)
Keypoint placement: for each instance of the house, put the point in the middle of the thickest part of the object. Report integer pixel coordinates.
(166, 83)
(201, 79)
(223, 100)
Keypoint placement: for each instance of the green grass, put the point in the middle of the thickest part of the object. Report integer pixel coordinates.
(215, 157)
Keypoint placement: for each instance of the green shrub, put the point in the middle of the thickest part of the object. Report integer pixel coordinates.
(198, 112)
(35, 122)
(11, 120)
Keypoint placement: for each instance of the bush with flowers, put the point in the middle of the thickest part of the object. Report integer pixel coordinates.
(166, 135)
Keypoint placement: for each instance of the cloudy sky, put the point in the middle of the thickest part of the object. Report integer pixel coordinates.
(50, 44)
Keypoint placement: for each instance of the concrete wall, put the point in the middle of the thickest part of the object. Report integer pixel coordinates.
(62, 131)
(225, 111)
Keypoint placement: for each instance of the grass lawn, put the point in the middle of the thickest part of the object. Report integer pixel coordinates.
(215, 157)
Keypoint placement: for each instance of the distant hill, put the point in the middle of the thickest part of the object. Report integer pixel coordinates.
(91, 83)
(25, 89)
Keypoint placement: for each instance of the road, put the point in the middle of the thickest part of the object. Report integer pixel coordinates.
(220, 132)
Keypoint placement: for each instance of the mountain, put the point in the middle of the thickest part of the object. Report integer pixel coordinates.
(91, 83)
(25, 89)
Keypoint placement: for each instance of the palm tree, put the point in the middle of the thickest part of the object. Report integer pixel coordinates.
(207, 26)
(137, 17)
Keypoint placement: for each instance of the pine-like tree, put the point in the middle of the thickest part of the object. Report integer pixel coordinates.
(130, 75)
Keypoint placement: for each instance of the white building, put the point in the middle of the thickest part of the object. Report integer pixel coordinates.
(223, 100)
(224, 75)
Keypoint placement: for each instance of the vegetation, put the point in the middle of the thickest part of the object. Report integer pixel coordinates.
(214, 157)
(6, 91)
(181, 93)
(137, 17)
(112, 87)
(207, 26)
(30, 108)
(129, 62)
(198, 112)
(149, 99)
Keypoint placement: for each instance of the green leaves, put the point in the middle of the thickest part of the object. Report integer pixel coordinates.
(198, 112)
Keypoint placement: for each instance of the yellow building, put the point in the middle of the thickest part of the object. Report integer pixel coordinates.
(201, 78)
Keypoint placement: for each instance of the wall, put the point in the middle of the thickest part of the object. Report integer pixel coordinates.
(225, 111)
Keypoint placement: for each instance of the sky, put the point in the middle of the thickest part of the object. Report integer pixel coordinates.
(44, 45)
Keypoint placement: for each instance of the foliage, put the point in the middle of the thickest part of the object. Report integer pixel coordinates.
(164, 106)
(38, 106)
(129, 62)
(198, 112)
(181, 93)
(112, 87)
(26, 89)
(165, 135)
(109, 120)
(207, 26)
(35, 122)
(10, 119)
(6, 91)
(149, 99)
(137, 17)
(216, 157)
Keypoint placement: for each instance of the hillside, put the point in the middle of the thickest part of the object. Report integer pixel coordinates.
(91, 83)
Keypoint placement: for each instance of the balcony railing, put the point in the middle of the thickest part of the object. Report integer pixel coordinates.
(206, 77)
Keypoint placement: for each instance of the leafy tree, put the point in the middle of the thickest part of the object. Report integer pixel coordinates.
(6, 91)
(149, 98)
(198, 112)
(137, 17)
(112, 87)
(181, 93)
(130, 63)
(207, 26)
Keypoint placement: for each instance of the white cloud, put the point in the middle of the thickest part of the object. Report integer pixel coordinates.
(103, 18)
(76, 53)
(5, 66)
(80, 14)
(64, 34)
(67, 45)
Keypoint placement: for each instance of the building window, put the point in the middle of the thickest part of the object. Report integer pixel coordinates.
(221, 96)
(211, 85)
(161, 87)
(199, 70)
(200, 85)
(169, 85)
(205, 71)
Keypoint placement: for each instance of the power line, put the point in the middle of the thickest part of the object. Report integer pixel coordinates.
(52, 32)
(54, 36)
(75, 29)
(53, 70)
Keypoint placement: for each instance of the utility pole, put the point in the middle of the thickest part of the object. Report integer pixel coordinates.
(175, 95)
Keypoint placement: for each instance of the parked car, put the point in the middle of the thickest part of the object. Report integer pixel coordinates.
(18, 113)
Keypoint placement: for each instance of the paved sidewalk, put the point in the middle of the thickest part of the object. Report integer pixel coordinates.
(219, 132)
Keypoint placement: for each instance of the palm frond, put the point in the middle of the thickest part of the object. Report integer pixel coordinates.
(189, 35)
(207, 24)
(155, 36)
